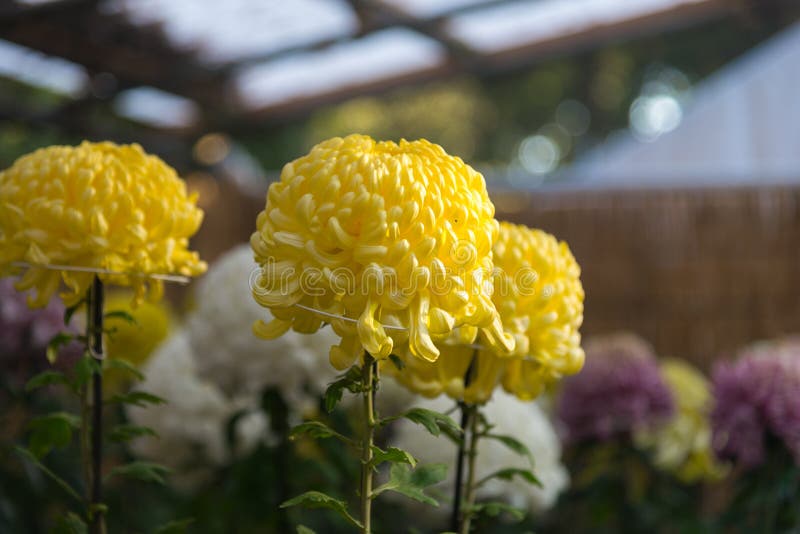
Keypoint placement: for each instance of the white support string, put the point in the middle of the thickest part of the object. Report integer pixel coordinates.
(351, 320)
(179, 279)
(348, 319)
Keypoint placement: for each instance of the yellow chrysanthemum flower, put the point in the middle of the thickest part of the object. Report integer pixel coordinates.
(542, 307)
(448, 375)
(133, 341)
(97, 206)
(538, 292)
(683, 444)
(391, 240)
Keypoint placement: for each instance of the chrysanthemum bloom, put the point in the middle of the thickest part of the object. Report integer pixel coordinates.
(392, 241)
(100, 206)
(134, 340)
(682, 445)
(619, 391)
(192, 426)
(240, 364)
(538, 292)
(212, 368)
(757, 396)
(527, 422)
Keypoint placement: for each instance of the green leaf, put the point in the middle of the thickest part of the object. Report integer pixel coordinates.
(514, 444)
(494, 509)
(398, 363)
(351, 381)
(412, 482)
(51, 431)
(69, 312)
(46, 378)
(333, 396)
(304, 530)
(29, 456)
(126, 432)
(122, 315)
(55, 344)
(316, 430)
(434, 422)
(509, 474)
(124, 366)
(392, 454)
(70, 523)
(84, 368)
(136, 398)
(178, 526)
(144, 471)
(97, 508)
(316, 499)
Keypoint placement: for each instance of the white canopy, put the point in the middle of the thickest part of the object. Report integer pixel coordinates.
(741, 126)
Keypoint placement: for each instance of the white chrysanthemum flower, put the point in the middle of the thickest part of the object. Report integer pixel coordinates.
(191, 426)
(215, 368)
(527, 422)
(220, 331)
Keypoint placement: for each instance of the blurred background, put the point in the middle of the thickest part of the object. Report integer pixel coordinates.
(660, 138)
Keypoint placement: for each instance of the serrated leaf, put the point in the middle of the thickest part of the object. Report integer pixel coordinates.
(333, 396)
(29, 456)
(84, 368)
(124, 366)
(70, 311)
(392, 454)
(70, 523)
(412, 482)
(55, 344)
(434, 422)
(316, 430)
(136, 398)
(144, 471)
(301, 529)
(317, 499)
(72, 420)
(494, 509)
(126, 432)
(121, 315)
(510, 473)
(178, 526)
(514, 444)
(51, 431)
(46, 378)
(351, 381)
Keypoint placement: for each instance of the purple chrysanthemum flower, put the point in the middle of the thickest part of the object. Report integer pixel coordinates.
(757, 396)
(619, 390)
(25, 333)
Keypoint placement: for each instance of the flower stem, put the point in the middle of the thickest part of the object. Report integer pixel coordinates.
(466, 421)
(86, 410)
(459, 483)
(369, 375)
(95, 340)
(471, 453)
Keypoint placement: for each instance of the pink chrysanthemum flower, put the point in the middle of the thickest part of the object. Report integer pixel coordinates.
(757, 396)
(620, 390)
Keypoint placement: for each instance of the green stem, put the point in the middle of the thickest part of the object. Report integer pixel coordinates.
(472, 453)
(86, 411)
(369, 375)
(466, 422)
(95, 340)
(455, 518)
